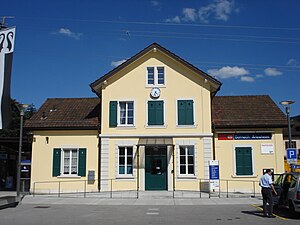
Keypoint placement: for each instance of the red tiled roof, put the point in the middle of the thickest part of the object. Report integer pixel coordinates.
(66, 113)
(246, 111)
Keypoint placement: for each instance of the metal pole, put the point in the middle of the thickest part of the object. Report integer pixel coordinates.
(84, 195)
(287, 109)
(20, 153)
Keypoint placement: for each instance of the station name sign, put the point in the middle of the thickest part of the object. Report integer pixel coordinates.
(245, 136)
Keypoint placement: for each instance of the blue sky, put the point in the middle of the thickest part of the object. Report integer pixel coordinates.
(252, 47)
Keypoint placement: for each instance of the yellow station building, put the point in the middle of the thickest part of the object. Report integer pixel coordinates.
(155, 124)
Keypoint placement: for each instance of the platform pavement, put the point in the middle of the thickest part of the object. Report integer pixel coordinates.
(145, 198)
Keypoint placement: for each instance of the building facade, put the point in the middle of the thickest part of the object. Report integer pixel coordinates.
(152, 127)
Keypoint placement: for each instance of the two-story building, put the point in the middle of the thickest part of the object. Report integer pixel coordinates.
(152, 128)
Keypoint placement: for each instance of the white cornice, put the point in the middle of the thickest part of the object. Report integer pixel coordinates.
(154, 135)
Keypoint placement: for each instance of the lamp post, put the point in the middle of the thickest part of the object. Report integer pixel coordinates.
(22, 108)
(286, 104)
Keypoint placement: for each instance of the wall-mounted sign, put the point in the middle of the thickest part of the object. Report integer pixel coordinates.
(267, 148)
(245, 136)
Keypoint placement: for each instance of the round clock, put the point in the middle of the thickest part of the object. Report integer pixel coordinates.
(155, 92)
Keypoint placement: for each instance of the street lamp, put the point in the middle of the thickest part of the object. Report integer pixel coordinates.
(22, 108)
(286, 104)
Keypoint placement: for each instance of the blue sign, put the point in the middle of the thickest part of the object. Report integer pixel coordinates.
(291, 153)
(214, 172)
(294, 166)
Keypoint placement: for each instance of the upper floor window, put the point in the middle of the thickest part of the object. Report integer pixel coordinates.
(155, 113)
(126, 113)
(156, 75)
(121, 113)
(185, 112)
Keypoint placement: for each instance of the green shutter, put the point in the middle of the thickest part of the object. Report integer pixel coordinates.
(159, 113)
(243, 157)
(181, 112)
(185, 112)
(82, 162)
(155, 113)
(56, 162)
(113, 113)
(189, 113)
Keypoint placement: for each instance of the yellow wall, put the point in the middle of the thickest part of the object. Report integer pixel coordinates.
(180, 83)
(42, 159)
(226, 156)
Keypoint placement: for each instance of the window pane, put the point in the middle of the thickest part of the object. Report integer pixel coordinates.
(182, 159)
(121, 151)
(190, 169)
(190, 159)
(182, 170)
(121, 169)
(129, 169)
(190, 150)
(129, 160)
(150, 75)
(161, 75)
(130, 121)
(122, 160)
(182, 150)
(129, 150)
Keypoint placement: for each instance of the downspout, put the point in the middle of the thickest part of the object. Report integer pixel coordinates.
(212, 124)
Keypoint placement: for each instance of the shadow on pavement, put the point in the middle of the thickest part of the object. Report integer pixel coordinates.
(254, 213)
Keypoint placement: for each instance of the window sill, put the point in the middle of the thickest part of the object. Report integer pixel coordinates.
(126, 127)
(244, 176)
(69, 176)
(125, 178)
(185, 126)
(156, 126)
(187, 177)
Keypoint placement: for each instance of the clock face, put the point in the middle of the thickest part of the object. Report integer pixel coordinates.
(155, 92)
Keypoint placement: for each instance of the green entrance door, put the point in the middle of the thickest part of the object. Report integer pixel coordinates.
(156, 168)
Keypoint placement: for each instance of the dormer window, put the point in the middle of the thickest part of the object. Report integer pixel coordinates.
(155, 75)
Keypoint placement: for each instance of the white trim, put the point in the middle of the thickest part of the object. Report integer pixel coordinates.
(62, 162)
(125, 143)
(194, 113)
(234, 160)
(183, 135)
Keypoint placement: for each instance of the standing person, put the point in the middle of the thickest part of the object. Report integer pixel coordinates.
(266, 184)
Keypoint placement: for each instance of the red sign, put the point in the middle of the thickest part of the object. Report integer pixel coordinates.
(225, 136)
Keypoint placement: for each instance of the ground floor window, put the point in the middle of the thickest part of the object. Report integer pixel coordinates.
(125, 160)
(243, 161)
(69, 162)
(187, 163)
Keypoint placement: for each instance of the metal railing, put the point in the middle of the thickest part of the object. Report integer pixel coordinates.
(227, 188)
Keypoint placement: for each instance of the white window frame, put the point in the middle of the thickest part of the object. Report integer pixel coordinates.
(194, 113)
(186, 160)
(126, 165)
(155, 76)
(234, 160)
(62, 163)
(119, 114)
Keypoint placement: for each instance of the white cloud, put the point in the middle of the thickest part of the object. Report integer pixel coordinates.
(155, 3)
(219, 9)
(190, 15)
(247, 79)
(292, 62)
(228, 72)
(68, 33)
(176, 19)
(117, 63)
(272, 72)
